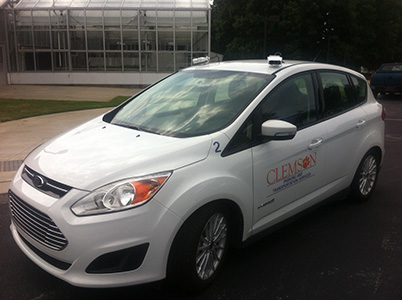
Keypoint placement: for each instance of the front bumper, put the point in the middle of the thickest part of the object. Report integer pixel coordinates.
(110, 250)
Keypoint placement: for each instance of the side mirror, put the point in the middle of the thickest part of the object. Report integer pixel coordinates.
(278, 130)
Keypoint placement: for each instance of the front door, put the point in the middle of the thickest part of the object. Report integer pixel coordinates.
(287, 172)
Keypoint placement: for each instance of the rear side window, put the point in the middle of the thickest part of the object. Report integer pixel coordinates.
(360, 89)
(338, 93)
(391, 68)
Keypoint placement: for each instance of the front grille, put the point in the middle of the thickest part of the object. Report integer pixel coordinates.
(36, 224)
(51, 260)
(45, 185)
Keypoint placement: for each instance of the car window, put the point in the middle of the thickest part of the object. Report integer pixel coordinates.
(191, 103)
(391, 68)
(360, 88)
(338, 93)
(293, 101)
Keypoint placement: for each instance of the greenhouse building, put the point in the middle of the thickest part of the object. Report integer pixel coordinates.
(119, 42)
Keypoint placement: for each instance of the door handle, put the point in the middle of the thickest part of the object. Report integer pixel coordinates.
(315, 143)
(360, 123)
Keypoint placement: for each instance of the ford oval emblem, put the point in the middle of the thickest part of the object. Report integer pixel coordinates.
(38, 181)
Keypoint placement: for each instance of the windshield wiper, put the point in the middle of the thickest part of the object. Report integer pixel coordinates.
(138, 128)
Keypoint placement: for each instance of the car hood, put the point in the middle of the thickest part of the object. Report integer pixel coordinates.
(98, 153)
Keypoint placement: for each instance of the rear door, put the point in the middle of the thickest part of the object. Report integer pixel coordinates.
(345, 122)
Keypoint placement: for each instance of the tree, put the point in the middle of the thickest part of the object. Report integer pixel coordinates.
(352, 33)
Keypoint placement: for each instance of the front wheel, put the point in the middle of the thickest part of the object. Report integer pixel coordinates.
(199, 249)
(365, 178)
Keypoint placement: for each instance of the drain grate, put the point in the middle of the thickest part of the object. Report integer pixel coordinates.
(10, 165)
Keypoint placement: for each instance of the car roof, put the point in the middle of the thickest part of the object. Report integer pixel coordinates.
(253, 66)
(262, 66)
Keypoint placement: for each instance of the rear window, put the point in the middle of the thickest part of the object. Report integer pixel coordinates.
(391, 68)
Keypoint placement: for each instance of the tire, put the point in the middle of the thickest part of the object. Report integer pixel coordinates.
(199, 249)
(365, 178)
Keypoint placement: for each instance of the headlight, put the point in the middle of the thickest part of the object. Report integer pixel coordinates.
(120, 195)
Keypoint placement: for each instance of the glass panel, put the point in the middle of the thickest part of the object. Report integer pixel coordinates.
(200, 41)
(166, 3)
(79, 60)
(60, 60)
(148, 3)
(94, 19)
(183, 60)
(58, 18)
(24, 40)
(40, 19)
(42, 40)
(113, 3)
(43, 61)
(11, 45)
(166, 62)
(79, 3)
(130, 40)
(129, 19)
(59, 39)
(76, 19)
(96, 61)
(199, 3)
(95, 40)
(112, 40)
(183, 41)
(112, 19)
(148, 41)
(43, 3)
(27, 3)
(165, 18)
(165, 41)
(132, 3)
(113, 61)
(77, 39)
(61, 3)
(148, 61)
(131, 61)
(96, 3)
(27, 61)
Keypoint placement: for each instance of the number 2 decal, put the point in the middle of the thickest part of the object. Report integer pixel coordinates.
(217, 147)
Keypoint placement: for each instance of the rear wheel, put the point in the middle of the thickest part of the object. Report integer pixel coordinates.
(365, 178)
(199, 249)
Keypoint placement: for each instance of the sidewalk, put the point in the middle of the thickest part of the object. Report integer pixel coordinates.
(58, 92)
(20, 137)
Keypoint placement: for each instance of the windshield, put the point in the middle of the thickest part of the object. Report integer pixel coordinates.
(191, 103)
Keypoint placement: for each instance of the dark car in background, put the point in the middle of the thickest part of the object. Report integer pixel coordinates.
(387, 79)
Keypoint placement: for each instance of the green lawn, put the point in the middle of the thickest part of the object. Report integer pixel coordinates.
(11, 109)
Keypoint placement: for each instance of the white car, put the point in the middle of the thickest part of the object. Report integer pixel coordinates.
(208, 157)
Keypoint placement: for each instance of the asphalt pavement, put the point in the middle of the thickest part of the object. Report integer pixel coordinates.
(20, 137)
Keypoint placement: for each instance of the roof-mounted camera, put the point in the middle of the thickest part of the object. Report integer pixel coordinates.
(275, 60)
(201, 60)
